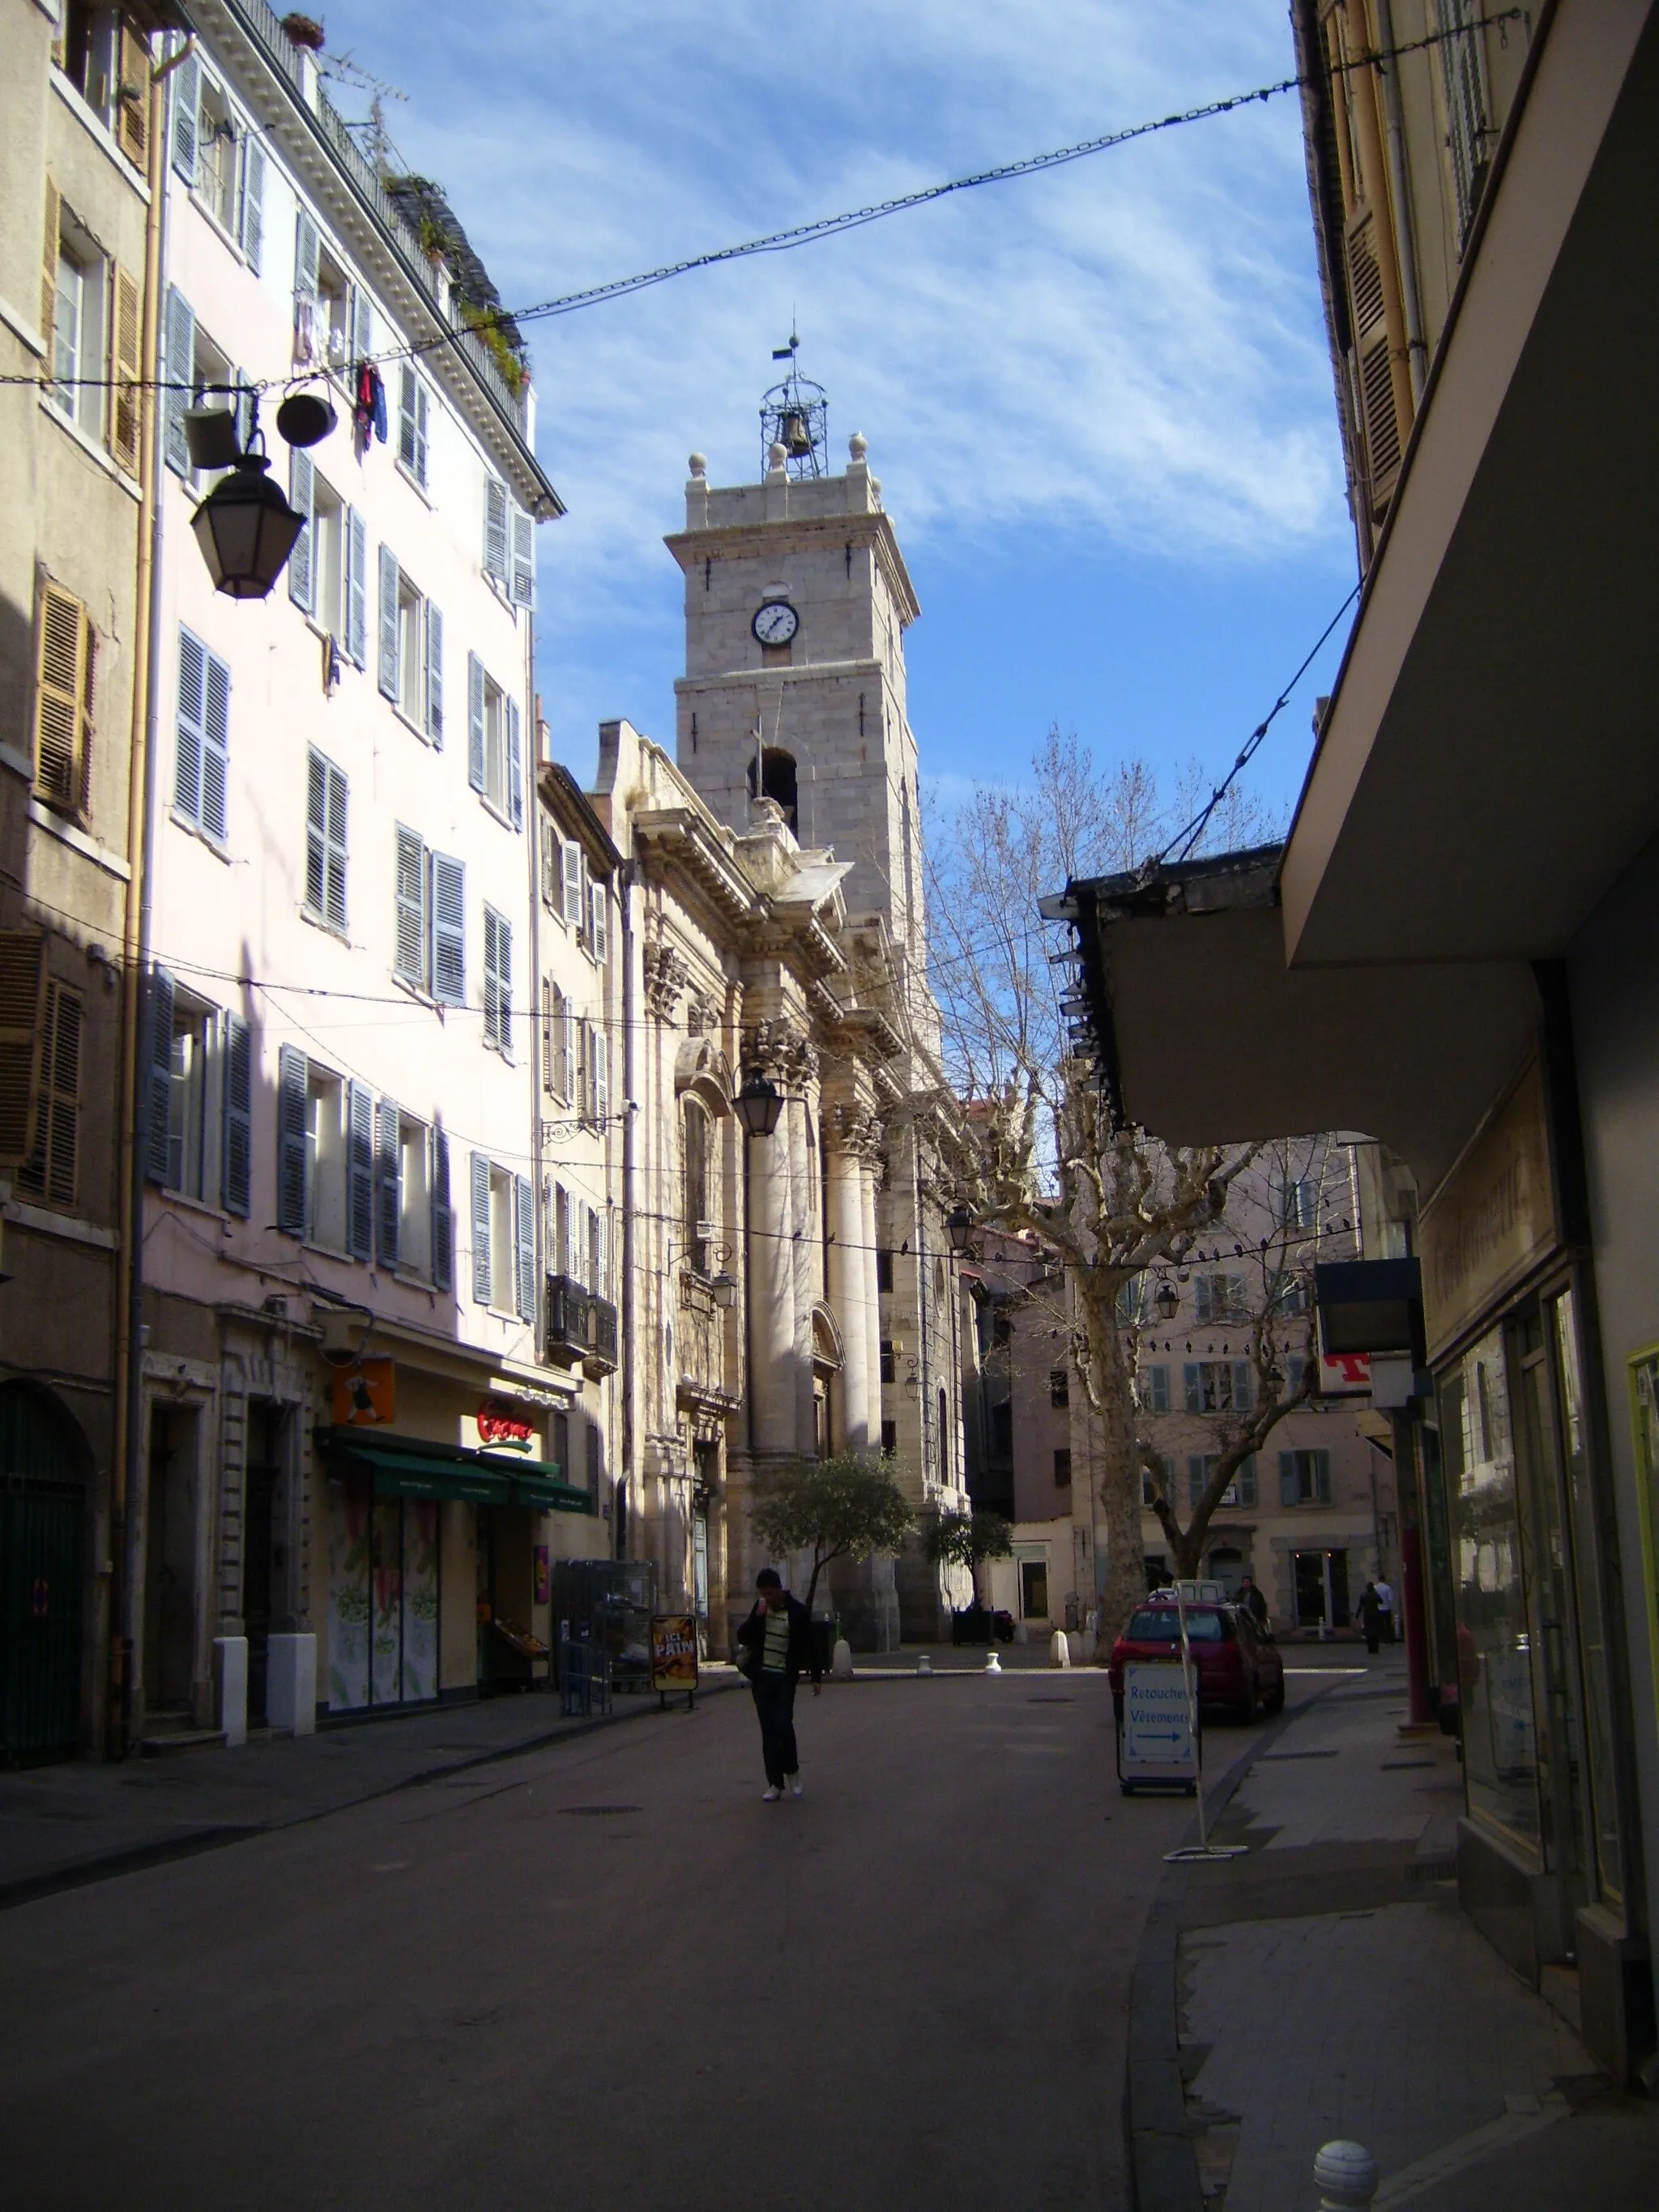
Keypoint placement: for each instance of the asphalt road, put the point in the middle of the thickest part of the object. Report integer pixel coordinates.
(606, 1975)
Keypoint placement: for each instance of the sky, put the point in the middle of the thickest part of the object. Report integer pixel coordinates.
(1099, 399)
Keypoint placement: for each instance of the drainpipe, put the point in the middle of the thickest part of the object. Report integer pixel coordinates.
(625, 882)
(1417, 353)
(129, 1501)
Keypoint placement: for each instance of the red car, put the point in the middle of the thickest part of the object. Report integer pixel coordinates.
(1240, 1671)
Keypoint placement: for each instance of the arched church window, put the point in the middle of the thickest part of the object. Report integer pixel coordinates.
(694, 1140)
(777, 781)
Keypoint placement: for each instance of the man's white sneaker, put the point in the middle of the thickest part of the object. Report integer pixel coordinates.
(770, 1796)
(796, 1786)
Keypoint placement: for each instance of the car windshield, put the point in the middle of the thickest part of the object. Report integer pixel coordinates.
(1161, 1624)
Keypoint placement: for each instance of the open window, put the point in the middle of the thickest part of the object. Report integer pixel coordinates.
(777, 781)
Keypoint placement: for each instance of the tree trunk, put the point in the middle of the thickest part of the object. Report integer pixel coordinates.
(1119, 1482)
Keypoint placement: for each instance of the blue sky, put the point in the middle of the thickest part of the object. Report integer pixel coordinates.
(1099, 399)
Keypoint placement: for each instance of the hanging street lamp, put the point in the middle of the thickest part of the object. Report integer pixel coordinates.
(1167, 1301)
(758, 1104)
(244, 527)
(959, 1227)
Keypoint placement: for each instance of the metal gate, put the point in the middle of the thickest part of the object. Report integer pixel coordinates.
(42, 1537)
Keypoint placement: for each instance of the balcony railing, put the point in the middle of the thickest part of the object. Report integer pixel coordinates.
(580, 1327)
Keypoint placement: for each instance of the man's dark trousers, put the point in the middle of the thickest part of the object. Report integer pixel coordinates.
(775, 1701)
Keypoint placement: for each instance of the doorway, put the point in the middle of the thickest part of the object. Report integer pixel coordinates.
(170, 1563)
(42, 1562)
(264, 1561)
(1226, 1567)
(1033, 1590)
(1321, 1591)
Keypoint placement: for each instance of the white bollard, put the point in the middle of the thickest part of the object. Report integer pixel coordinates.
(924, 1665)
(1074, 1646)
(1090, 1645)
(993, 1664)
(1060, 1652)
(1344, 2174)
(840, 1663)
(1021, 1633)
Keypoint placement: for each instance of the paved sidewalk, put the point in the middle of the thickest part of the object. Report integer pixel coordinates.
(83, 1820)
(1329, 1985)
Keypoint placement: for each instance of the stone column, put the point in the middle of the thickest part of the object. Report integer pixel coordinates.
(870, 1169)
(860, 1421)
(771, 1295)
(800, 1249)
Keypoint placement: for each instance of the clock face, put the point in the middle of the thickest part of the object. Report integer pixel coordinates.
(776, 623)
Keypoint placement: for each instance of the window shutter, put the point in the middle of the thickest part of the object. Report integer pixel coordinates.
(326, 845)
(504, 986)
(496, 546)
(422, 403)
(514, 765)
(1243, 1386)
(302, 497)
(1322, 1471)
(480, 1230)
(448, 931)
(601, 1256)
(187, 774)
(1202, 1301)
(356, 553)
(413, 403)
(1374, 350)
(549, 996)
(22, 1007)
(216, 749)
(388, 1181)
(51, 246)
(1196, 1479)
(491, 985)
(1191, 1387)
(475, 721)
(125, 364)
(596, 906)
(132, 96)
(51, 1170)
(187, 112)
(362, 323)
(334, 907)
(434, 676)
(524, 559)
(443, 1220)
(1289, 1491)
(565, 1049)
(601, 1073)
(291, 1072)
(158, 1074)
(307, 246)
(253, 201)
(388, 677)
(360, 1155)
(548, 854)
(177, 370)
(410, 959)
(523, 1236)
(61, 672)
(571, 873)
(237, 1147)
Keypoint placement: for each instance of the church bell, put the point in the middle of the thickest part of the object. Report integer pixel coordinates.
(794, 434)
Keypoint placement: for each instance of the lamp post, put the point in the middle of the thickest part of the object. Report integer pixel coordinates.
(959, 1227)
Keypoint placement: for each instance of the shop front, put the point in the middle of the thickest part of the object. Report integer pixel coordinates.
(1507, 1295)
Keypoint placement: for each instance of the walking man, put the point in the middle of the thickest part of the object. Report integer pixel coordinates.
(777, 1646)
(1250, 1598)
(1370, 1609)
(1385, 1599)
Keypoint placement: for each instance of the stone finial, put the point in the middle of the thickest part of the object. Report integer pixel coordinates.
(857, 445)
(776, 455)
(1345, 2173)
(698, 464)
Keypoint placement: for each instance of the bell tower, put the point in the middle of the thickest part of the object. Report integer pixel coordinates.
(797, 600)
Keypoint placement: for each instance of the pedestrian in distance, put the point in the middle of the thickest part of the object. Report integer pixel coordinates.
(776, 1647)
(1253, 1603)
(1370, 1609)
(1385, 1599)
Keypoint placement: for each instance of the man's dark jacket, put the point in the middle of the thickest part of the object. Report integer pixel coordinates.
(802, 1655)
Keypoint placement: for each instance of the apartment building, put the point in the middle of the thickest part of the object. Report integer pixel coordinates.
(78, 124)
(347, 1480)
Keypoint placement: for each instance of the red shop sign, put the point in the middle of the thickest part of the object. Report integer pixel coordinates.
(501, 1423)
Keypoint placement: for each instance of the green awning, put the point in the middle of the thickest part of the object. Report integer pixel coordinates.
(406, 1466)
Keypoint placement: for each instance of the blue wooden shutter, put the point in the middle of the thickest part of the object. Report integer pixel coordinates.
(356, 553)
(495, 530)
(388, 621)
(1196, 1478)
(435, 677)
(253, 201)
(504, 986)
(480, 1230)
(237, 1146)
(524, 559)
(360, 1124)
(302, 498)
(192, 685)
(307, 246)
(362, 324)
(601, 1073)
(1192, 1389)
(177, 370)
(291, 1072)
(326, 840)
(215, 750)
(158, 1075)
(443, 1221)
(1243, 1387)
(524, 1232)
(1322, 1474)
(1289, 1491)
(475, 721)
(410, 959)
(448, 931)
(186, 114)
(388, 1181)
(514, 765)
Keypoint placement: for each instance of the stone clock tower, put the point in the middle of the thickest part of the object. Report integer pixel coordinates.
(797, 600)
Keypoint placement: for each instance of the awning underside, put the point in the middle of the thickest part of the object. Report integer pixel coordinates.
(399, 1468)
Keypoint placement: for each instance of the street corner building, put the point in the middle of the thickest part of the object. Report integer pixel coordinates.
(1456, 950)
(787, 1284)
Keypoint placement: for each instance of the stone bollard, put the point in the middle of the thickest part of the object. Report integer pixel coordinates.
(1090, 1645)
(840, 1663)
(1344, 2174)
(1060, 1652)
(1074, 1646)
(1021, 1633)
(924, 1665)
(993, 1664)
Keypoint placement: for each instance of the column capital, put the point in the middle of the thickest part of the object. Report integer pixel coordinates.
(782, 1050)
(666, 976)
(859, 1131)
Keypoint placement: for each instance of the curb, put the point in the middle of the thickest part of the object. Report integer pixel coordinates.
(1163, 2162)
(136, 1858)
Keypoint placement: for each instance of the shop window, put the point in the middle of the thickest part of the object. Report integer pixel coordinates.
(383, 1598)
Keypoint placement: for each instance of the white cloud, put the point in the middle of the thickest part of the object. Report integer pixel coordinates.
(1128, 345)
